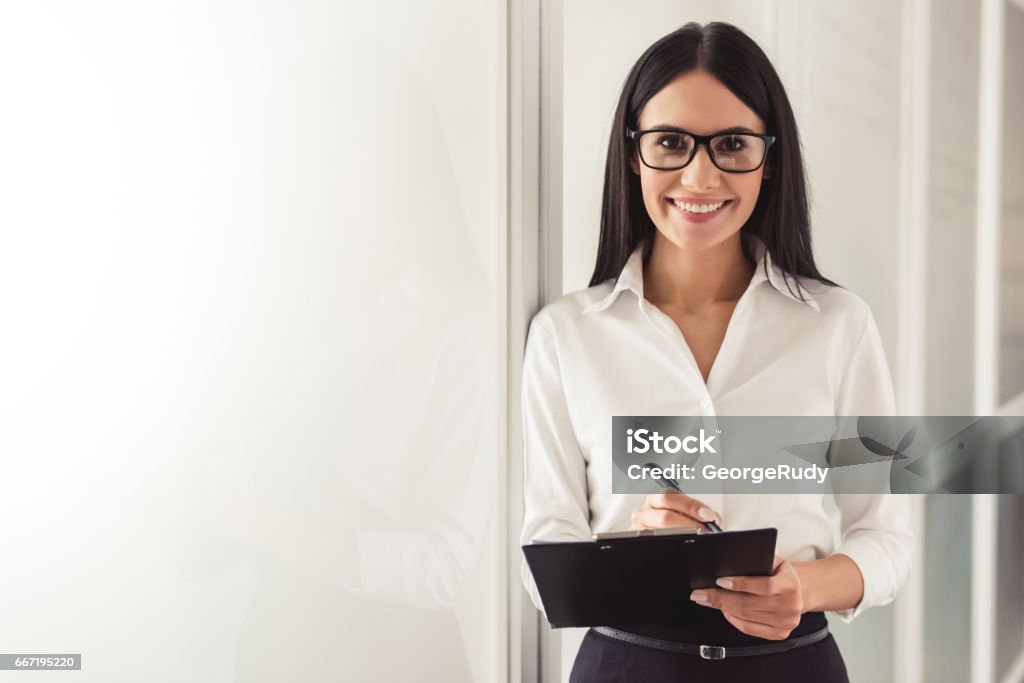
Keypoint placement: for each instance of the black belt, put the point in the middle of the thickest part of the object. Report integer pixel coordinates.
(713, 651)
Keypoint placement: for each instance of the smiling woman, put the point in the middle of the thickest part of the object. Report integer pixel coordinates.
(717, 82)
(705, 300)
(700, 194)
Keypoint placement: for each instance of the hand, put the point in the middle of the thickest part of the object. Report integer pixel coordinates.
(672, 509)
(763, 606)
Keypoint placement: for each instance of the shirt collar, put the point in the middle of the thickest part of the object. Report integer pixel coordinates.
(632, 279)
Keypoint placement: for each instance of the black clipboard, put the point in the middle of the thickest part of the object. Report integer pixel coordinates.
(642, 579)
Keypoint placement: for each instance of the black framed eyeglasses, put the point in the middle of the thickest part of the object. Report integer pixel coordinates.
(666, 149)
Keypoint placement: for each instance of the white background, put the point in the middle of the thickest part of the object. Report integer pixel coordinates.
(250, 344)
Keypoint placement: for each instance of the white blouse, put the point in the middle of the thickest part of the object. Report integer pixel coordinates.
(607, 351)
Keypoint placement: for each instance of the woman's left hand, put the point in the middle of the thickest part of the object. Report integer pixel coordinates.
(763, 606)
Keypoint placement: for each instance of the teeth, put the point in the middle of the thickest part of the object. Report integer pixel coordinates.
(698, 208)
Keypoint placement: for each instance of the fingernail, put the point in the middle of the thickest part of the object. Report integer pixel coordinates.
(706, 514)
(724, 583)
(699, 596)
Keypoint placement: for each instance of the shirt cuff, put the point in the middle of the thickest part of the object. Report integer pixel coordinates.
(871, 561)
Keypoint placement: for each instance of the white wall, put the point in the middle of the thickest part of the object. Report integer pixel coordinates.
(251, 337)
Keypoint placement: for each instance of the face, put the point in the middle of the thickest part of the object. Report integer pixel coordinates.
(698, 103)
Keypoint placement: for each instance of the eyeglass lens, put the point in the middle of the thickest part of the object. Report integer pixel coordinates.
(666, 150)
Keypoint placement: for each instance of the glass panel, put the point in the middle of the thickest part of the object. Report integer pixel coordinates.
(947, 589)
(952, 208)
(1010, 580)
(251, 369)
(1011, 248)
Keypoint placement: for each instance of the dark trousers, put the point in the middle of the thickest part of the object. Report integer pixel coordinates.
(606, 660)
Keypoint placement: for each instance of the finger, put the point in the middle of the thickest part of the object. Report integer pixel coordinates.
(782, 580)
(657, 518)
(684, 505)
(754, 607)
(755, 585)
(755, 628)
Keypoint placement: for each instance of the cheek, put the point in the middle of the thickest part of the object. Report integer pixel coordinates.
(748, 190)
(654, 186)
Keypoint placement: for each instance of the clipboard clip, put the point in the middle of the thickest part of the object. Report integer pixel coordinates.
(640, 533)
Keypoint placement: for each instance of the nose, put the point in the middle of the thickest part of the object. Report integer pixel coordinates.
(701, 173)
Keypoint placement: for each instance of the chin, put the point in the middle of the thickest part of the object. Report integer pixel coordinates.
(698, 237)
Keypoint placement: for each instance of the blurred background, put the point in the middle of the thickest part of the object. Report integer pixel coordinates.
(266, 272)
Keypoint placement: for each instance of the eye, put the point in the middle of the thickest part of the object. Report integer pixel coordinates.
(671, 141)
(731, 143)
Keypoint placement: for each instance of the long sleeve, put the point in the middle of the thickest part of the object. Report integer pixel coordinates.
(554, 475)
(875, 527)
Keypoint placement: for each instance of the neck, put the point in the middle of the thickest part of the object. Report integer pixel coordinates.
(695, 280)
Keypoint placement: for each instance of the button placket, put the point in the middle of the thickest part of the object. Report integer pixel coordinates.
(667, 327)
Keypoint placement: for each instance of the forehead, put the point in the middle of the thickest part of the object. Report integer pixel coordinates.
(699, 103)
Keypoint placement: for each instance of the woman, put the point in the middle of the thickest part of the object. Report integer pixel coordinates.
(705, 300)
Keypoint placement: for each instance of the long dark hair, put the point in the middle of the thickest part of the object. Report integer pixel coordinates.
(781, 217)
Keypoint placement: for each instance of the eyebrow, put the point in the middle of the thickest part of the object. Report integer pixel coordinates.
(724, 131)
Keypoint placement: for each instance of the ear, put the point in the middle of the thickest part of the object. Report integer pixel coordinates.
(634, 163)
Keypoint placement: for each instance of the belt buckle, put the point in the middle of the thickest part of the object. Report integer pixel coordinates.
(712, 652)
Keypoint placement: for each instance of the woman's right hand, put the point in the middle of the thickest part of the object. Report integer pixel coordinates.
(672, 509)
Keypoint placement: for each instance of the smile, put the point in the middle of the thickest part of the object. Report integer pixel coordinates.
(699, 212)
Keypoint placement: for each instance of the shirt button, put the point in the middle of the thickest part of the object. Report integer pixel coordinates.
(706, 403)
